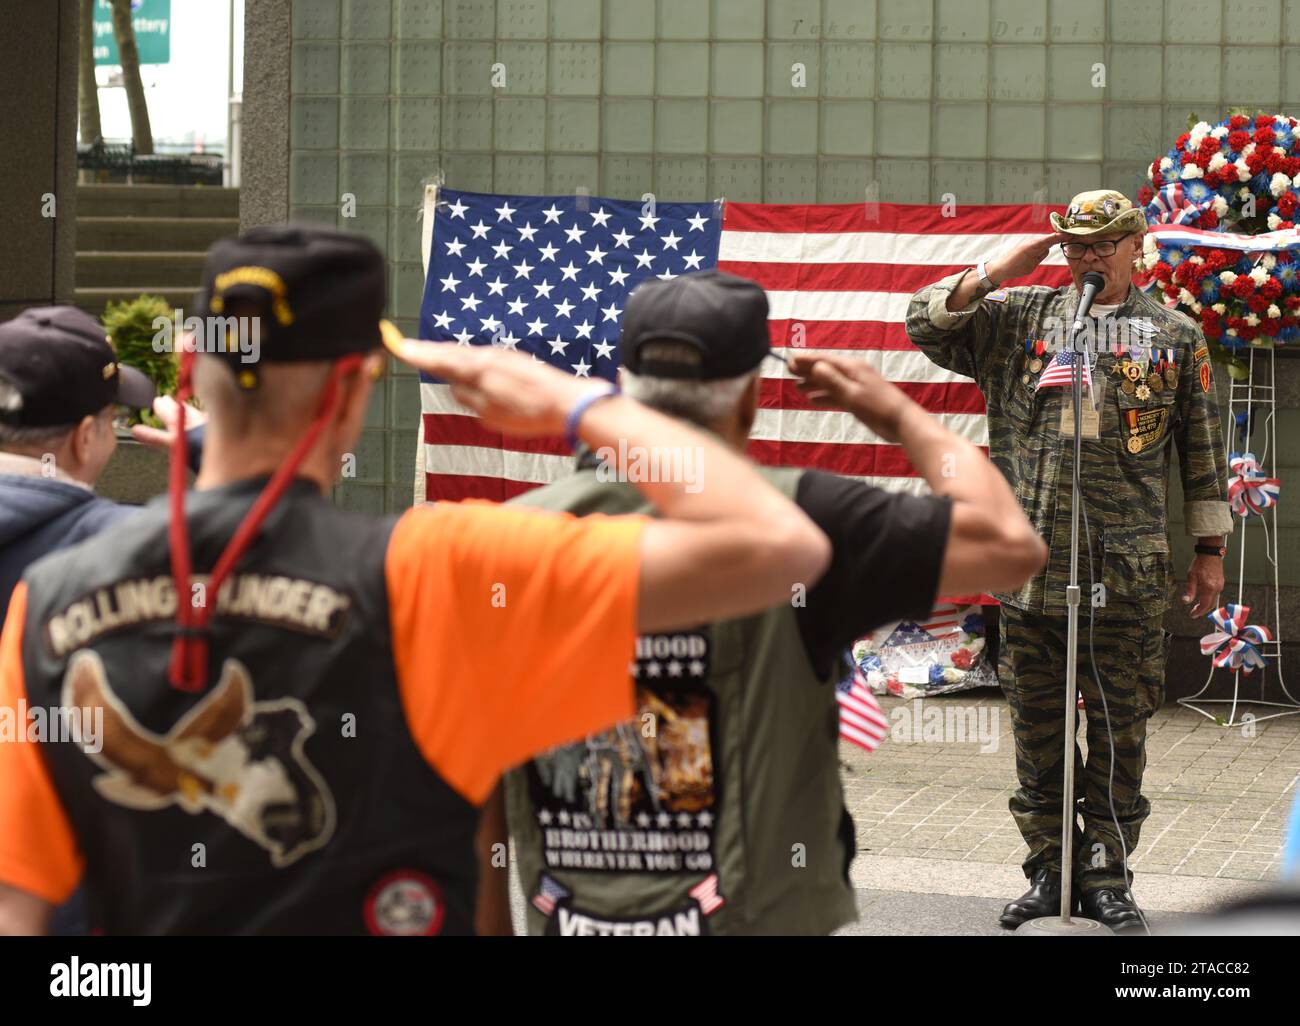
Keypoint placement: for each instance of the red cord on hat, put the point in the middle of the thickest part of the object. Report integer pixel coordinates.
(188, 669)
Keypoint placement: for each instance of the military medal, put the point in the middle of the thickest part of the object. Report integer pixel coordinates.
(1127, 386)
(1143, 392)
(1155, 382)
(1034, 349)
(1134, 445)
(1171, 371)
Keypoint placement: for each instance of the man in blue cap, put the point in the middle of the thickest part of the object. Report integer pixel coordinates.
(60, 384)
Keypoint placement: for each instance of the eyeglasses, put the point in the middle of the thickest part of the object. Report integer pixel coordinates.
(1074, 250)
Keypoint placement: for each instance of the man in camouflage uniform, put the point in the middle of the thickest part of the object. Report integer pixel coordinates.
(1157, 389)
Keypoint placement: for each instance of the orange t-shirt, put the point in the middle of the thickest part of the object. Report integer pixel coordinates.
(512, 631)
(509, 626)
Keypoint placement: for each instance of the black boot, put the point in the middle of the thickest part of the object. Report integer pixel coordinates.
(1113, 908)
(1042, 899)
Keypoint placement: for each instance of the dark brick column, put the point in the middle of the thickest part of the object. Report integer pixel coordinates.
(38, 129)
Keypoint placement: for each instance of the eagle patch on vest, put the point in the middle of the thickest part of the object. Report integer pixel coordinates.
(640, 797)
(229, 755)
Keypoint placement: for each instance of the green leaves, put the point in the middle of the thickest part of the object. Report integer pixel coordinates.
(133, 327)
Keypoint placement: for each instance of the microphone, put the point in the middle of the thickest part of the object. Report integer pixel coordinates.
(1093, 283)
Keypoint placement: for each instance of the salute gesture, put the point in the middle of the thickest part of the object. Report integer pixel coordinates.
(991, 543)
(1018, 262)
(1015, 263)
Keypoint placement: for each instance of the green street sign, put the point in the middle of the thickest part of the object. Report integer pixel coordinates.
(152, 20)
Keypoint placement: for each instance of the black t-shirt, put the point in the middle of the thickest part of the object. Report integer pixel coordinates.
(887, 555)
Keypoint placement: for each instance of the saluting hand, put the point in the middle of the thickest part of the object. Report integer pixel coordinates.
(509, 391)
(1023, 259)
(1003, 268)
(855, 386)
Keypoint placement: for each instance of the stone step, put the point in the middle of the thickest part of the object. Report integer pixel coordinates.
(152, 234)
(156, 201)
(97, 269)
(94, 300)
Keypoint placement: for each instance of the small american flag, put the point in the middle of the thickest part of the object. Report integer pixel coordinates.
(862, 721)
(706, 893)
(548, 893)
(1060, 372)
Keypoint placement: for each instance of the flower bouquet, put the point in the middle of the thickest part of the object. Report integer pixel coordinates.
(1222, 244)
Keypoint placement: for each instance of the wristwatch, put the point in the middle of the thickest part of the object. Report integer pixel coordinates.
(1210, 550)
(987, 284)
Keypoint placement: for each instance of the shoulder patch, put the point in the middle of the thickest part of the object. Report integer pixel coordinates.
(997, 296)
(1201, 351)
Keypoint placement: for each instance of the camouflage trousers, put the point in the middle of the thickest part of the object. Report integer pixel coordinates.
(1130, 655)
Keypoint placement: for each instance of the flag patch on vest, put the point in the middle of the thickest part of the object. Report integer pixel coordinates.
(640, 797)
(229, 755)
(564, 920)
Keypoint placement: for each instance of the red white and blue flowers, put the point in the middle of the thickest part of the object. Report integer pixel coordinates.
(1222, 244)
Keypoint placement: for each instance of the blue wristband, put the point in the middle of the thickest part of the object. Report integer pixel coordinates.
(581, 407)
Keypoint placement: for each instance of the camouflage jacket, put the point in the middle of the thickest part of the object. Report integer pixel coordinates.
(1125, 470)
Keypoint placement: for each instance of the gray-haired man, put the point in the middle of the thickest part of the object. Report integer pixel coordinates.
(719, 808)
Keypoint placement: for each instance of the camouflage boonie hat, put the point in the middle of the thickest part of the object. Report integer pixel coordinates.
(1102, 211)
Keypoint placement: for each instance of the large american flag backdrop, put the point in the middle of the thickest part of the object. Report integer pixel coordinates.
(550, 275)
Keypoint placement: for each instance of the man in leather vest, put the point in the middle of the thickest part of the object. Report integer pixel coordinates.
(250, 711)
(718, 808)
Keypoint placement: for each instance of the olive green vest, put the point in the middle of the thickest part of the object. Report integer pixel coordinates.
(718, 810)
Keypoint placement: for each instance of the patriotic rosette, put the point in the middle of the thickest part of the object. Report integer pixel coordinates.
(1249, 490)
(1222, 243)
(1235, 644)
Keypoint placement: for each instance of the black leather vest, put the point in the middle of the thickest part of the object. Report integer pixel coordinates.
(289, 796)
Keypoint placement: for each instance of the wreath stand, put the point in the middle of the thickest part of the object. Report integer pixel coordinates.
(1256, 398)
